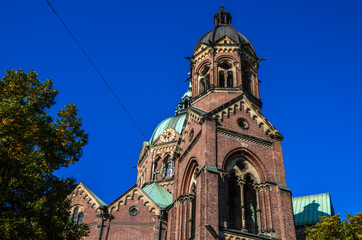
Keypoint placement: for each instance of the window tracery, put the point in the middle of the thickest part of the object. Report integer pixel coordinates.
(226, 73)
(168, 167)
(204, 78)
(77, 215)
(242, 205)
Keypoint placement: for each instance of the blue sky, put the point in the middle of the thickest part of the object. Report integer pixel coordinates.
(311, 82)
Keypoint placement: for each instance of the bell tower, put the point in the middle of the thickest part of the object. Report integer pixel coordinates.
(224, 60)
(229, 167)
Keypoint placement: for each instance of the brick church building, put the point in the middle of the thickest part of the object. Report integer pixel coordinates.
(213, 170)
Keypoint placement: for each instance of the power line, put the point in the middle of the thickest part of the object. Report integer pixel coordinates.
(99, 73)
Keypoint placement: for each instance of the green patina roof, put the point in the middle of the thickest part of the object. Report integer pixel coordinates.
(159, 195)
(188, 93)
(308, 209)
(175, 122)
(95, 196)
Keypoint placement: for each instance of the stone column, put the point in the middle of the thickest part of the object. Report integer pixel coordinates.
(241, 184)
(258, 214)
(225, 177)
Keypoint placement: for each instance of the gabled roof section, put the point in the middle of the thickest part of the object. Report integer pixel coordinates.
(135, 192)
(308, 209)
(92, 198)
(100, 201)
(159, 195)
(239, 103)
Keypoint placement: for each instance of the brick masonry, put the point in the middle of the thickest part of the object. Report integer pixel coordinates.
(202, 161)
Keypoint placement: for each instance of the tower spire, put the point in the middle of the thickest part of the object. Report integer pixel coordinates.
(222, 17)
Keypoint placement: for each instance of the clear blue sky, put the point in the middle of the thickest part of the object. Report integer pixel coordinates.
(311, 81)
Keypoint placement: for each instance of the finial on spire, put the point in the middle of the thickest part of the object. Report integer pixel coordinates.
(222, 17)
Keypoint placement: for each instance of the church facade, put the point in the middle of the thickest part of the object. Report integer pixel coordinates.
(213, 170)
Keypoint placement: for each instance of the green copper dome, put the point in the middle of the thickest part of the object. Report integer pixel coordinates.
(175, 122)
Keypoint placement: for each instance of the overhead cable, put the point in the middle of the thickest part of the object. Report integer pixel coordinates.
(97, 70)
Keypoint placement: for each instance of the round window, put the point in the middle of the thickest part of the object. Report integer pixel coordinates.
(243, 123)
(133, 211)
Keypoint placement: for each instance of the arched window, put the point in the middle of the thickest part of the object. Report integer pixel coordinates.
(221, 79)
(204, 78)
(226, 74)
(80, 218)
(191, 219)
(167, 170)
(75, 214)
(157, 167)
(230, 79)
(247, 79)
(250, 204)
(242, 199)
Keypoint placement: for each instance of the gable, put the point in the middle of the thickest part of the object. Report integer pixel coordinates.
(135, 193)
(242, 103)
(91, 199)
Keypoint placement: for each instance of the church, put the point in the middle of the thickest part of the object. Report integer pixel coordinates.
(214, 170)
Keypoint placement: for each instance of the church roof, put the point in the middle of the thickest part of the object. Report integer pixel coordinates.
(100, 201)
(159, 195)
(308, 209)
(175, 122)
(223, 28)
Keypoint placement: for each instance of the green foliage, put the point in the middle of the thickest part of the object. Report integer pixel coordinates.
(33, 201)
(334, 228)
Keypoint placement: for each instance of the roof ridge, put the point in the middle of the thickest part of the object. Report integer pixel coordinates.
(93, 194)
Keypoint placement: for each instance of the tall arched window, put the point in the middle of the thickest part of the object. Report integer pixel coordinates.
(167, 170)
(204, 78)
(241, 204)
(191, 219)
(226, 74)
(250, 204)
(189, 201)
(77, 216)
(80, 218)
(157, 167)
(247, 79)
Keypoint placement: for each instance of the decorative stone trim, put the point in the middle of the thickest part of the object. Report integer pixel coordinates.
(84, 192)
(167, 146)
(263, 187)
(192, 144)
(243, 103)
(244, 137)
(142, 159)
(166, 183)
(138, 193)
(230, 234)
(187, 198)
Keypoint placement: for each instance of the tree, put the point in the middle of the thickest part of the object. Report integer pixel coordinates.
(34, 202)
(334, 228)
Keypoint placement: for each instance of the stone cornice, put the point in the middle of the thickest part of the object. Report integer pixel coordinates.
(242, 103)
(131, 194)
(163, 146)
(82, 190)
(244, 137)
